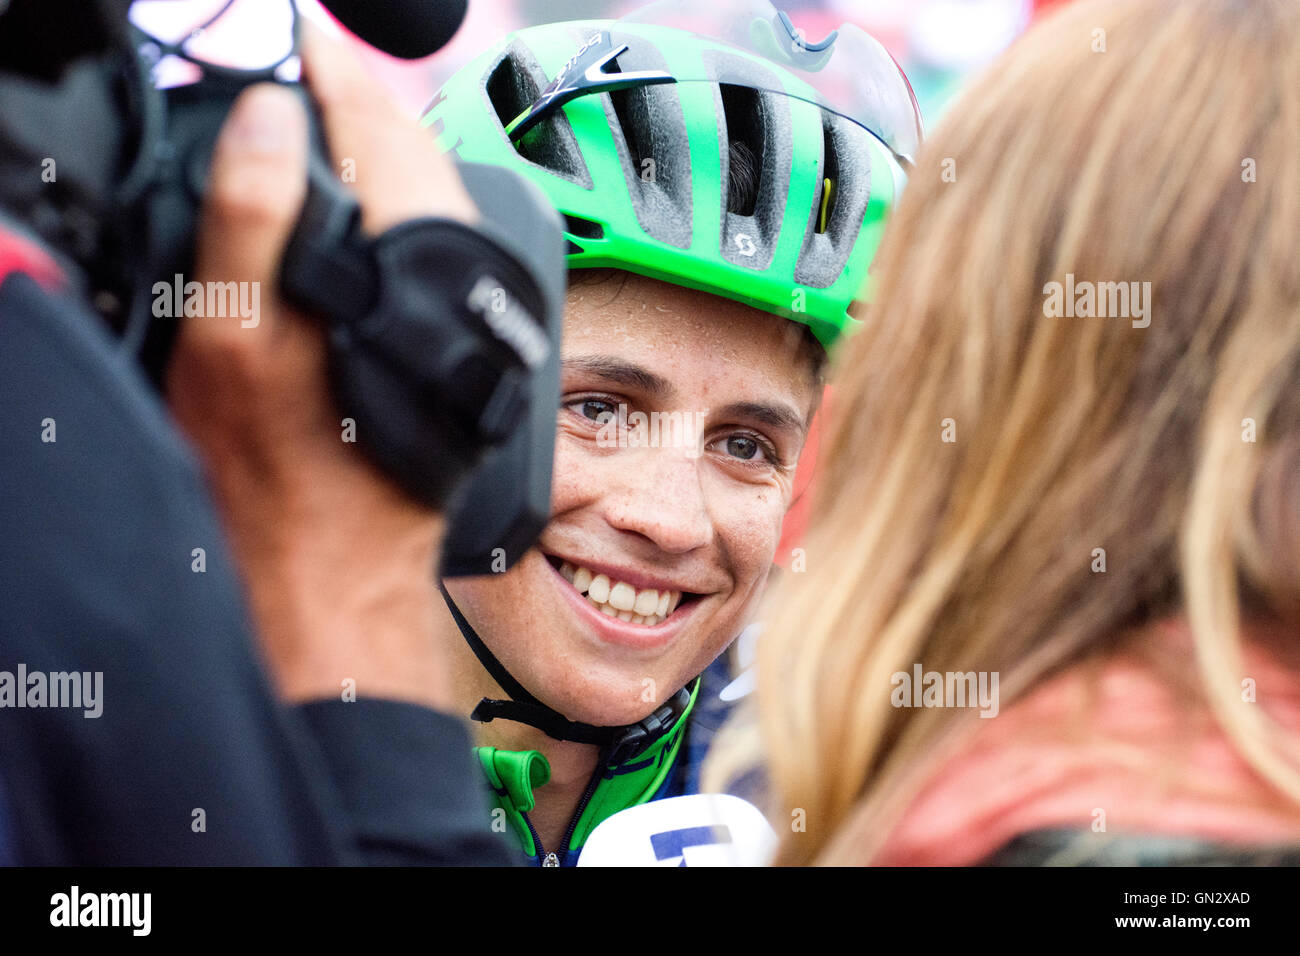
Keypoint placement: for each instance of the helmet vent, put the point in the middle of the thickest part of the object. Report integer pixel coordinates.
(753, 129)
(744, 119)
(836, 218)
(510, 89)
(828, 181)
(513, 86)
(648, 126)
(584, 228)
(634, 134)
(742, 179)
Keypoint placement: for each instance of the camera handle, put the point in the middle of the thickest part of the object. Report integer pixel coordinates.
(444, 344)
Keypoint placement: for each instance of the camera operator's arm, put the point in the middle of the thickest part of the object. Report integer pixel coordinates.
(337, 561)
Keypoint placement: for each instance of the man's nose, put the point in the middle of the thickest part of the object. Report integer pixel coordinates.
(661, 498)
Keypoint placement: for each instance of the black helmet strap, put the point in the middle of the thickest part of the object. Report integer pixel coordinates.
(622, 743)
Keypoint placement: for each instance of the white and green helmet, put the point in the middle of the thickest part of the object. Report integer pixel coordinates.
(711, 148)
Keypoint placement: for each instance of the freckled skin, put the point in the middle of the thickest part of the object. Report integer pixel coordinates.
(712, 517)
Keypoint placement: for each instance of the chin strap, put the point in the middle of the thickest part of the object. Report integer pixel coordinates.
(622, 743)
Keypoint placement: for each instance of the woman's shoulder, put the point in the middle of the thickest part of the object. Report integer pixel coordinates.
(1122, 738)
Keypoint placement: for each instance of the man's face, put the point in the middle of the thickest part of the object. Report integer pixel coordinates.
(668, 519)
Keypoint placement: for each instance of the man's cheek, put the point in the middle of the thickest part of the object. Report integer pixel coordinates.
(485, 598)
(754, 536)
(567, 487)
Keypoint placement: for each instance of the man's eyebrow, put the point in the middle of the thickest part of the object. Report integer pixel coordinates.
(631, 375)
(773, 414)
(621, 372)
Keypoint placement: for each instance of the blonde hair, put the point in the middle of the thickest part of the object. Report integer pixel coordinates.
(1119, 141)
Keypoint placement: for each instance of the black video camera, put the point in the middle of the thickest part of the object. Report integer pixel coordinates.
(443, 340)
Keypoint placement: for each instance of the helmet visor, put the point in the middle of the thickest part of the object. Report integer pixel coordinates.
(848, 72)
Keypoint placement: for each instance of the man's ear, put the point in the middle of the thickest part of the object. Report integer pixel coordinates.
(806, 352)
(789, 554)
(819, 400)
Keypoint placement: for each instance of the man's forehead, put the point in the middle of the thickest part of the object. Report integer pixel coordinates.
(686, 338)
(623, 303)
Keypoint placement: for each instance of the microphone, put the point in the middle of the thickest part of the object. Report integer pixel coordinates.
(702, 829)
(408, 29)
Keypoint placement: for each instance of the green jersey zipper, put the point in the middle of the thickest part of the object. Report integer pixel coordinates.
(551, 858)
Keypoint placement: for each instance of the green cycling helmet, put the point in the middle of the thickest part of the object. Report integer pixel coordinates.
(733, 157)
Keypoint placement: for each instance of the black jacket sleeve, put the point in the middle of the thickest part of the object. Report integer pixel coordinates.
(112, 566)
(425, 813)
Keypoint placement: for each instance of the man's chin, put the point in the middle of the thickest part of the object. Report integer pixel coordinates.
(608, 707)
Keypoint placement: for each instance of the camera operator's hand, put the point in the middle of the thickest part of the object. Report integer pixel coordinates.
(337, 560)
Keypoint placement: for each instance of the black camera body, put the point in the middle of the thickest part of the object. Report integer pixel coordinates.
(444, 339)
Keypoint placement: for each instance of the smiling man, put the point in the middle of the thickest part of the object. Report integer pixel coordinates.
(723, 231)
(655, 551)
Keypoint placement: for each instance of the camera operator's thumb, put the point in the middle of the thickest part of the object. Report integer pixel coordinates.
(256, 187)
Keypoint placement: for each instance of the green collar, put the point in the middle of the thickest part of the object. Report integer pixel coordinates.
(514, 775)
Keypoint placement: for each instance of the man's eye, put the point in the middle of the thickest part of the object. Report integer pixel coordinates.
(745, 448)
(741, 447)
(598, 411)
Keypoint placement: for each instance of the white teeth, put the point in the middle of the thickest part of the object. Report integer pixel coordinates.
(623, 596)
(647, 607)
(581, 580)
(647, 602)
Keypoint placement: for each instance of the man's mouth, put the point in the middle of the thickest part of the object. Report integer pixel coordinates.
(645, 606)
